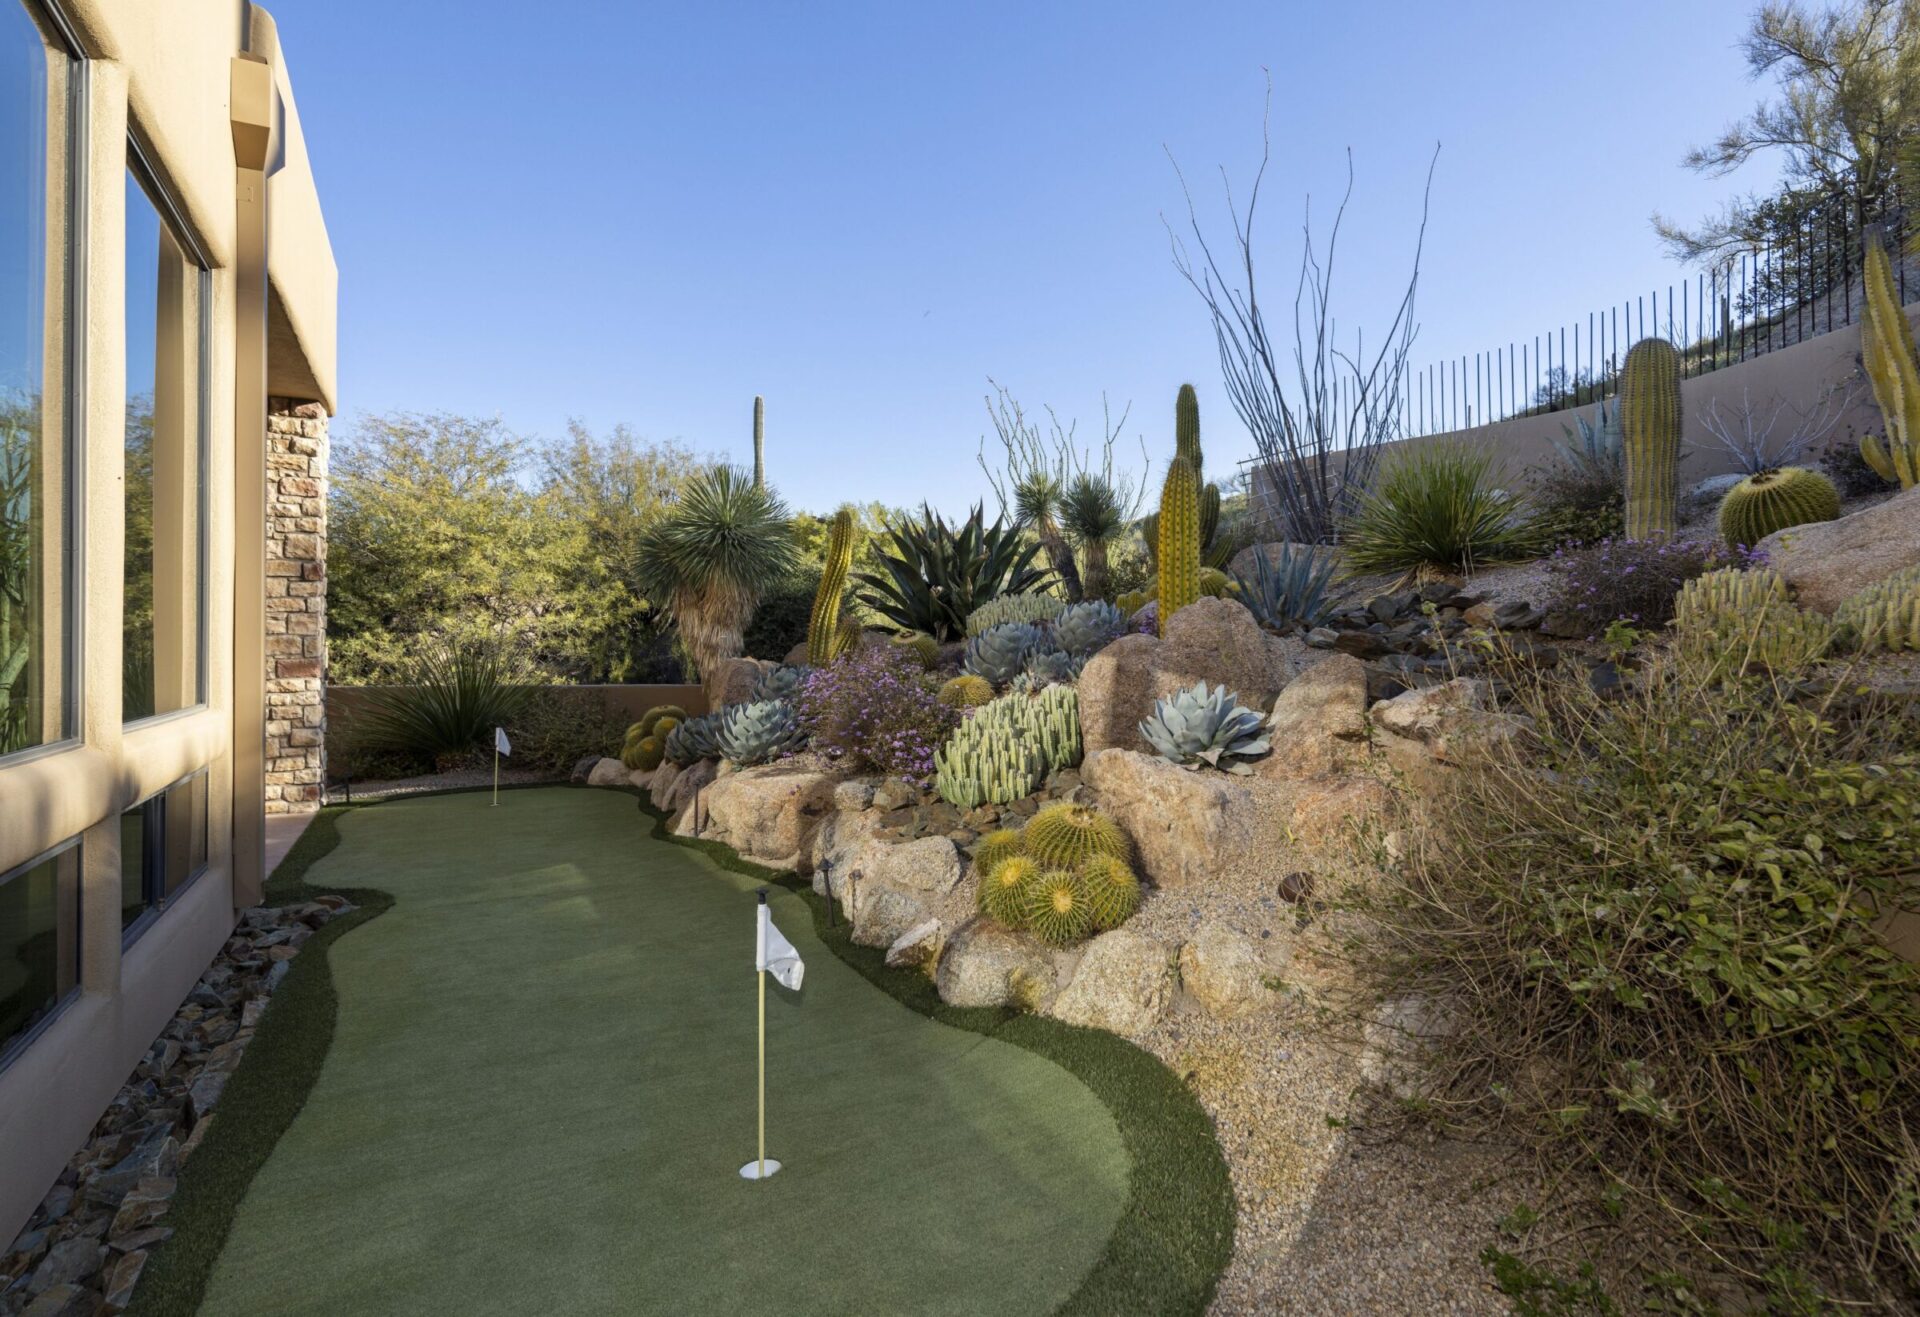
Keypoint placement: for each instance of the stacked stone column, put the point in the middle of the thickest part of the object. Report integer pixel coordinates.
(296, 641)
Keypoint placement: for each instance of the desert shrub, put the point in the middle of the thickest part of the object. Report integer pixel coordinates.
(447, 707)
(559, 726)
(1631, 580)
(877, 709)
(1841, 462)
(1437, 505)
(1651, 935)
(1579, 502)
(780, 622)
(351, 758)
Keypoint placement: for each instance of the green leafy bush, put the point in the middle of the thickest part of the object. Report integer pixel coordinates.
(1653, 938)
(1438, 506)
(447, 708)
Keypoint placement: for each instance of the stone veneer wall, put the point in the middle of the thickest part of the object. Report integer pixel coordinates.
(296, 643)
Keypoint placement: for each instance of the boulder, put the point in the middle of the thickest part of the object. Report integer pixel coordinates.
(897, 885)
(662, 783)
(1829, 560)
(1122, 985)
(987, 965)
(1320, 721)
(1179, 819)
(1449, 720)
(918, 947)
(1225, 971)
(797, 656)
(1215, 640)
(642, 778)
(734, 682)
(608, 773)
(882, 915)
(769, 813)
(582, 768)
(681, 798)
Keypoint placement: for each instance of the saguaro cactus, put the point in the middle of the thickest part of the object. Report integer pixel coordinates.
(1650, 426)
(1893, 368)
(1179, 532)
(823, 625)
(759, 442)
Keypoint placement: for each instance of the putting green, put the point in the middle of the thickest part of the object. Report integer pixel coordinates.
(540, 1092)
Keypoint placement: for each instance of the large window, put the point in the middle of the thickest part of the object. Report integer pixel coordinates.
(163, 847)
(39, 942)
(38, 107)
(164, 634)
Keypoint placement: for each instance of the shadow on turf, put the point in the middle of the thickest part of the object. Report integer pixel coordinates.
(1166, 1253)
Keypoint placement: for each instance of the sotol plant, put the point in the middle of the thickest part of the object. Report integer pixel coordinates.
(1774, 500)
(1206, 726)
(759, 732)
(824, 628)
(1650, 419)
(1062, 835)
(1893, 369)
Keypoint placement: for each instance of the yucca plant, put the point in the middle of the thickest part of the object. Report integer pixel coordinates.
(934, 575)
(709, 557)
(1093, 515)
(1287, 593)
(451, 701)
(1437, 506)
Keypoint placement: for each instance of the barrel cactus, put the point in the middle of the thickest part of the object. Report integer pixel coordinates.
(924, 648)
(1034, 608)
(1062, 835)
(780, 683)
(1774, 500)
(1003, 890)
(1057, 909)
(1000, 652)
(1650, 419)
(655, 714)
(1113, 890)
(1085, 627)
(1885, 616)
(966, 691)
(998, 845)
(694, 740)
(643, 755)
(1202, 725)
(758, 732)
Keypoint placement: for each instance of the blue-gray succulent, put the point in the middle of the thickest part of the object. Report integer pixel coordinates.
(758, 732)
(1085, 627)
(1000, 652)
(694, 740)
(1206, 726)
(779, 683)
(1288, 592)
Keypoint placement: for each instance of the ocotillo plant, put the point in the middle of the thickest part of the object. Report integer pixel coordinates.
(759, 442)
(823, 626)
(1650, 424)
(1893, 368)
(1179, 532)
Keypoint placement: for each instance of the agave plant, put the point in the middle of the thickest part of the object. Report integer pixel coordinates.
(449, 704)
(1048, 668)
(935, 575)
(1082, 628)
(1290, 593)
(694, 740)
(760, 731)
(779, 683)
(1206, 726)
(1598, 444)
(710, 556)
(999, 653)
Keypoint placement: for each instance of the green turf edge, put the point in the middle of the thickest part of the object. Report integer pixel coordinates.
(1173, 1239)
(1175, 1234)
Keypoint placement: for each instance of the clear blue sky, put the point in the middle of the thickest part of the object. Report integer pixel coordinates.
(647, 213)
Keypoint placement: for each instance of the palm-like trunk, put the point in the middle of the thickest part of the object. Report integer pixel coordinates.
(1095, 582)
(1060, 554)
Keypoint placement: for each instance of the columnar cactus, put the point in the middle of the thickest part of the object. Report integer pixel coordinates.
(759, 442)
(823, 626)
(1730, 623)
(1179, 539)
(1034, 608)
(1893, 369)
(1885, 615)
(1186, 427)
(1650, 421)
(1004, 750)
(1774, 500)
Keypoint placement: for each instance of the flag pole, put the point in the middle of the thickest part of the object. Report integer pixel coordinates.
(496, 774)
(763, 1072)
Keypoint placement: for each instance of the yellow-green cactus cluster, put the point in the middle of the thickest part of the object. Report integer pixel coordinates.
(1885, 616)
(1775, 500)
(1732, 623)
(1062, 835)
(1063, 876)
(646, 740)
(1892, 359)
(1004, 750)
(1650, 419)
(966, 691)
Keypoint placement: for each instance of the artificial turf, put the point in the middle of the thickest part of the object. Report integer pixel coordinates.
(540, 1090)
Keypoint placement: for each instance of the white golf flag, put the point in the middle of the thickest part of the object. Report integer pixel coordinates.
(775, 955)
(500, 743)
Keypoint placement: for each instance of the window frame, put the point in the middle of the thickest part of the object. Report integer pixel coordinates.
(153, 853)
(72, 647)
(11, 1050)
(173, 218)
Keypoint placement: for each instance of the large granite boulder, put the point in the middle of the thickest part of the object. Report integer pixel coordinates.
(897, 886)
(1423, 734)
(919, 947)
(1829, 560)
(609, 772)
(1319, 723)
(987, 965)
(769, 813)
(1122, 985)
(1215, 640)
(1225, 971)
(677, 793)
(734, 681)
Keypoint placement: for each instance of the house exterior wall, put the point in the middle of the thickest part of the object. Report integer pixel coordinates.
(159, 73)
(296, 621)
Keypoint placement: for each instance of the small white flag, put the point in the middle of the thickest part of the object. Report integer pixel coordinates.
(500, 743)
(775, 955)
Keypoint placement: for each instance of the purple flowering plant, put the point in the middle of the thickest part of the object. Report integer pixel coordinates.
(1634, 581)
(876, 709)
